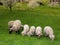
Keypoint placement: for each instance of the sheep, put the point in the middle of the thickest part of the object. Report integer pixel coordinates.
(10, 24)
(49, 32)
(53, 4)
(38, 31)
(32, 4)
(31, 31)
(26, 29)
(16, 26)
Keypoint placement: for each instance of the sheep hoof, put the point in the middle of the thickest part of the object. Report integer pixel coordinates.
(38, 37)
(10, 32)
(18, 32)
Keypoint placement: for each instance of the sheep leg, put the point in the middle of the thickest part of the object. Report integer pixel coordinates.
(45, 34)
(18, 32)
(10, 32)
(39, 36)
(21, 28)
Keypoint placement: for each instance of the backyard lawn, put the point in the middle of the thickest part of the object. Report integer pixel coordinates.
(40, 16)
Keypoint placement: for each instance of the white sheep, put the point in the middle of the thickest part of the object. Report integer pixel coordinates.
(10, 24)
(38, 31)
(31, 31)
(16, 26)
(33, 4)
(26, 29)
(49, 32)
(53, 4)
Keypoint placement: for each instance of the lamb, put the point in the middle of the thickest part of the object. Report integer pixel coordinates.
(38, 31)
(16, 26)
(49, 32)
(10, 24)
(26, 29)
(31, 31)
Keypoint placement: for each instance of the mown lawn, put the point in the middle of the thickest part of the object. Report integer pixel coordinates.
(41, 16)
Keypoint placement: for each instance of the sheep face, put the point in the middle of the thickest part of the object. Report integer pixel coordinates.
(38, 31)
(29, 34)
(23, 33)
(32, 31)
(26, 28)
(13, 28)
(52, 37)
(10, 24)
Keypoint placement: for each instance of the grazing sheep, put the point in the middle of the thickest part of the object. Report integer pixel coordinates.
(38, 31)
(31, 31)
(49, 32)
(26, 29)
(53, 4)
(10, 24)
(32, 4)
(16, 26)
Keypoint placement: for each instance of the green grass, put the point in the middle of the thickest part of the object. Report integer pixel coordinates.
(40, 16)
